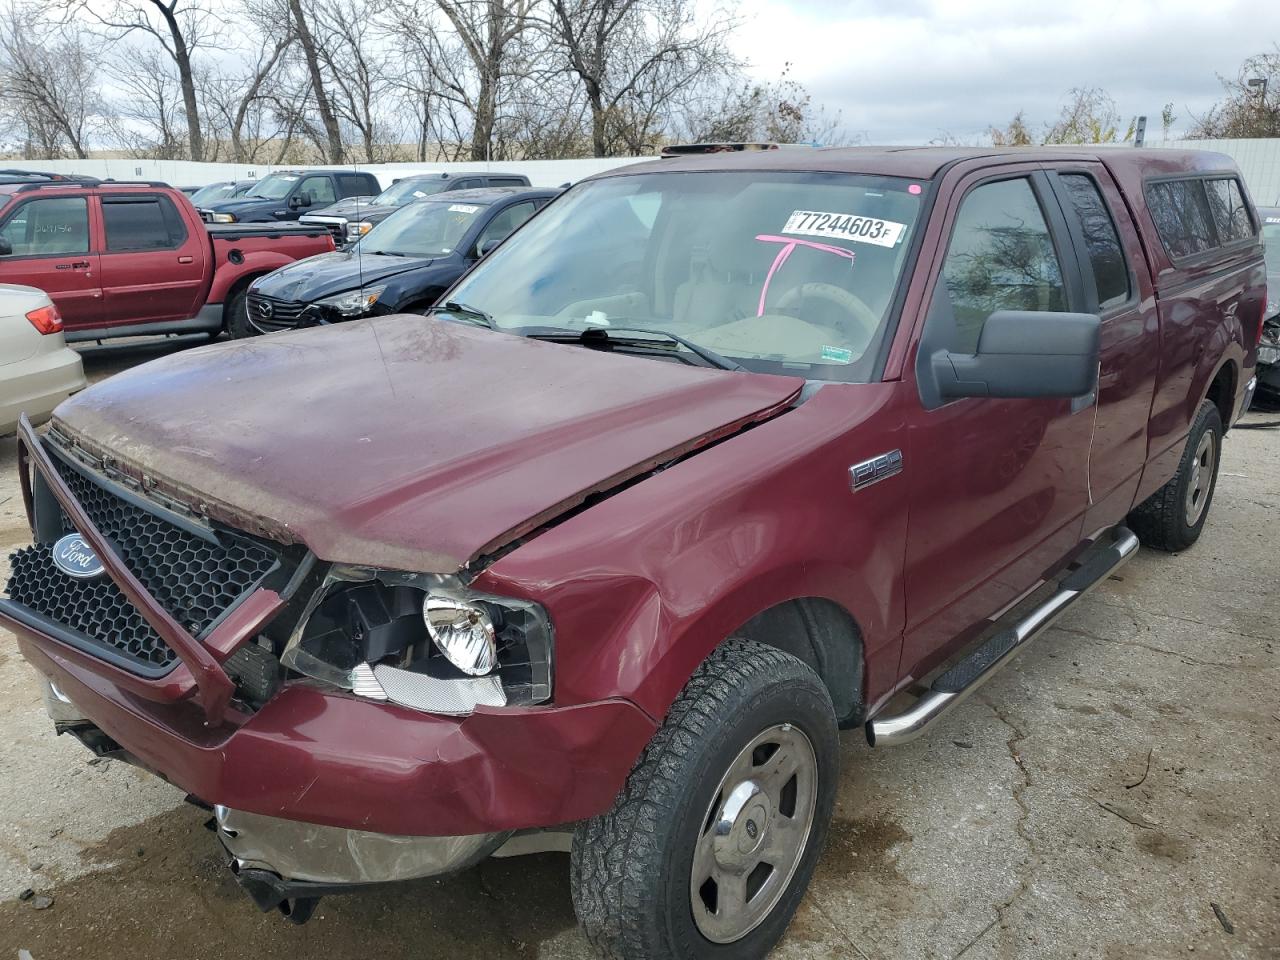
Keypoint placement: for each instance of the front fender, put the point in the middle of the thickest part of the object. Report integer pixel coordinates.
(644, 585)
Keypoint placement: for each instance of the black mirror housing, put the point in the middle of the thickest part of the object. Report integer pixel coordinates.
(301, 200)
(6, 248)
(1025, 354)
(483, 249)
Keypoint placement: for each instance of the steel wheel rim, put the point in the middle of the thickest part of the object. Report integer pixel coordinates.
(1201, 479)
(754, 833)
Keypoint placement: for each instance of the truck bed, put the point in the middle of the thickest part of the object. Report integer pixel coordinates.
(241, 231)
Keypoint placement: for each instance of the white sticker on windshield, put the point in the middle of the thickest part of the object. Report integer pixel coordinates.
(462, 208)
(845, 226)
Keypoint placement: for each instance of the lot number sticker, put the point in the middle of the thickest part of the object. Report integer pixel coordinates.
(462, 208)
(845, 226)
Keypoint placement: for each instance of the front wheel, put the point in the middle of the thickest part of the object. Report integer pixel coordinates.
(1173, 516)
(712, 841)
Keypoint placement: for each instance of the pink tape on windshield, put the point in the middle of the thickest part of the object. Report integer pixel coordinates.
(790, 244)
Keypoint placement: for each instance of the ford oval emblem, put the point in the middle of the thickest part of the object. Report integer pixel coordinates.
(76, 558)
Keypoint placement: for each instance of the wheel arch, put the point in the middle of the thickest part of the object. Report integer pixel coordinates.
(1221, 391)
(823, 634)
(241, 284)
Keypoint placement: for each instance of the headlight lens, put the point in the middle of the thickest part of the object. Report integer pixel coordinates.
(463, 632)
(224, 218)
(353, 303)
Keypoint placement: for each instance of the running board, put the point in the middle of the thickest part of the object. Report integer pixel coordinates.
(955, 685)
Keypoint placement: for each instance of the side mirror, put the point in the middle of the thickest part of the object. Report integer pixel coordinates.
(484, 247)
(300, 200)
(6, 248)
(1025, 353)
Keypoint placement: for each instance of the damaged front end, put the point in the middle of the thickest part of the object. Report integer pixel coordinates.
(1269, 353)
(423, 641)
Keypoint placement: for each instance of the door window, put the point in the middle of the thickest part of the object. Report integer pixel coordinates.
(320, 190)
(1001, 257)
(1110, 271)
(51, 226)
(505, 223)
(142, 223)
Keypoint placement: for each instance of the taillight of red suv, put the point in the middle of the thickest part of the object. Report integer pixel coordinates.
(46, 319)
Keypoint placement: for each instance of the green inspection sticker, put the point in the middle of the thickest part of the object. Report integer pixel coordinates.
(837, 354)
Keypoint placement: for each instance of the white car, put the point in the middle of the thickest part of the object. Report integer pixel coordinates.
(37, 368)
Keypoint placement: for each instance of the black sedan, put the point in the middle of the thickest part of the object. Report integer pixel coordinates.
(401, 266)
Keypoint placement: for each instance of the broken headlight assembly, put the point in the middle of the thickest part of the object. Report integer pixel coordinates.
(353, 303)
(1269, 344)
(423, 641)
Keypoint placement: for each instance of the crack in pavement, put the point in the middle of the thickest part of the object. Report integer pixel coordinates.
(1025, 871)
(1133, 610)
(1185, 658)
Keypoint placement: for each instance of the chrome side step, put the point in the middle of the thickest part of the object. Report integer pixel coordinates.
(955, 685)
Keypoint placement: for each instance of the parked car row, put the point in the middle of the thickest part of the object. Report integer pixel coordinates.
(715, 456)
(1269, 348)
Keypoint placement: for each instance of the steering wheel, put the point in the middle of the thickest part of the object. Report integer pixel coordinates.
(841, 298)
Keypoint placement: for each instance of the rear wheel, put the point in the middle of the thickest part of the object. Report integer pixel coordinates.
(712, 841)
(1173, 516)
(238, 315)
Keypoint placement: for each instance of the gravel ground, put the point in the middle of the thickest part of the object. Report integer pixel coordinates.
(1095, 800)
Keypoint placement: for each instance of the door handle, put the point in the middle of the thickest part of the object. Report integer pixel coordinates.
(186, 259)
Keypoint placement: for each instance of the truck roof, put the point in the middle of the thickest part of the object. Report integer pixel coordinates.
(925, 163)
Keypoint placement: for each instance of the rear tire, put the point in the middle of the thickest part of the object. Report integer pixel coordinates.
(711, 843)
(238, 325)
(1172, 517)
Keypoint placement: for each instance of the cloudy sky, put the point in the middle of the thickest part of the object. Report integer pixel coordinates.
(910, 71)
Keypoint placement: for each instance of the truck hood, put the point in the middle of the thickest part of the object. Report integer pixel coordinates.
(329, 273)
(244, 206)
(405, 442)
(352, 208)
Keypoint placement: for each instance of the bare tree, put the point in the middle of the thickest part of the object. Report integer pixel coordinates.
(180, 27)
(634, 58)
(1089, 115)
(489, 32)
(48, 84)
(1251, 107)
(311, 56)
(346, 34)
(148, 119)
(778, 112)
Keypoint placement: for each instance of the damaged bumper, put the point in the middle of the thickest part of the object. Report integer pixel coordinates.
(332, 759)
(312, 853)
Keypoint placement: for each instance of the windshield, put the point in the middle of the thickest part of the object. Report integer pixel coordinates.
(1271, 241)
(782, 272)
(405, 190)
(211, 193)
(275, 186)
(432, 228)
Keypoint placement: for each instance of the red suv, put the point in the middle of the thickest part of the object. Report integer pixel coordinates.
(124, 259)
(716, 455)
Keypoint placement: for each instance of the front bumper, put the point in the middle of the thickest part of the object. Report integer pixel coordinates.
(298, 851)
(329, 758)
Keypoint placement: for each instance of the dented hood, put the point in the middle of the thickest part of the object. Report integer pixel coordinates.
(405, 442)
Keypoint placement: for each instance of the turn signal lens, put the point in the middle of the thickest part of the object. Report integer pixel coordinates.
(46, 319)
(463, 632)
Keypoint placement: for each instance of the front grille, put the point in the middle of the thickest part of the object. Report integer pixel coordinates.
(269, 314)
(194, 579)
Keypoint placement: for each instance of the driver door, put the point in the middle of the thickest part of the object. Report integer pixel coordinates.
(53, 250)
(998, 486)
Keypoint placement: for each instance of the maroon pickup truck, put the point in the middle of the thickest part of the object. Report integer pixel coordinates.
(713, 457)
(123, 259)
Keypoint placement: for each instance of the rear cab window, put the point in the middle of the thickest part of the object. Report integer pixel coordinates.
(1198, 215)
(146, 222)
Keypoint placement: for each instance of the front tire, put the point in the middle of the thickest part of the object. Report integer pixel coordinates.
(1172, 517)
(709, 847)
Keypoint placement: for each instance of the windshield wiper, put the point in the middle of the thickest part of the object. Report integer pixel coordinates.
(472, 314)
(706, 354)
